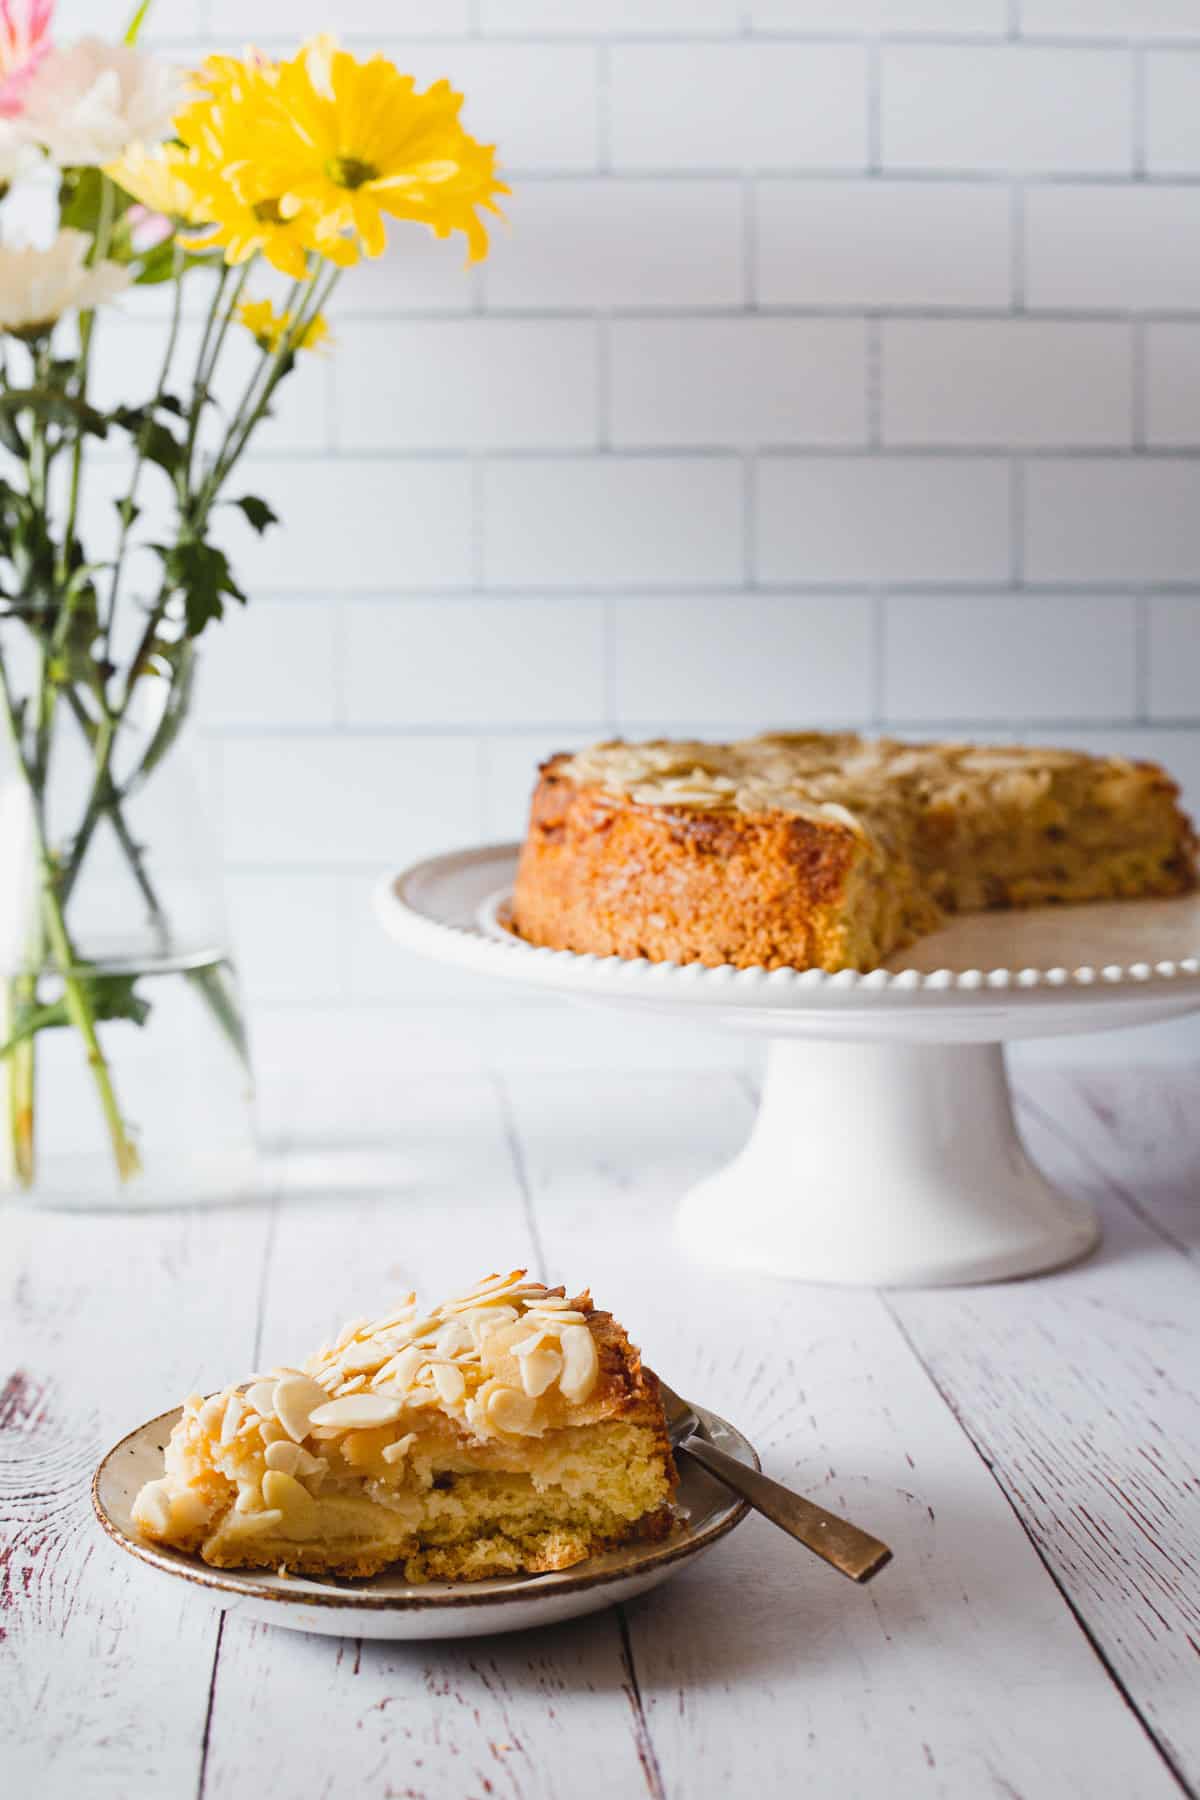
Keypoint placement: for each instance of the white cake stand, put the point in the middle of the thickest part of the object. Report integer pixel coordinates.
(885, 1151)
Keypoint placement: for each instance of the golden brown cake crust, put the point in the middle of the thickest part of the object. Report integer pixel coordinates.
(600, 872)
(739, 860)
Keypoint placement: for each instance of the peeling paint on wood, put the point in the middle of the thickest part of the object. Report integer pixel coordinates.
(1031, 1451)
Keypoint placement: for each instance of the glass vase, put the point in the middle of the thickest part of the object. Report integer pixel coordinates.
(125, 1075)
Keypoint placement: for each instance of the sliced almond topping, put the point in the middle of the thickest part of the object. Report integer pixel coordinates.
(211, 1414)
(491, 1283)
(401, 1314)
(231, 1422)
(363, 1358)
(295, 1398)
(581, 1365)
(509, 1409)
(427, 1326)
(538, 1369)
(449, 1381)
(284, 1456)
(350, 1387)
(293, 1459)
(454, 1336)
(262, 1398)
(394, 1453)
(357, 1412)
(482, 1320)
(402, 1369)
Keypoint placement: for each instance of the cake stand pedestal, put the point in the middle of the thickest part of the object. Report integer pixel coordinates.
(885, 1152)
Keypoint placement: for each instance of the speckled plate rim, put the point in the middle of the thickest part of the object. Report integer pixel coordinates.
(483, 942)
(618, 1565)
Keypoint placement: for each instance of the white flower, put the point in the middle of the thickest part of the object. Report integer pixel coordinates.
(89, 103)
(17, 156)
(38, 286)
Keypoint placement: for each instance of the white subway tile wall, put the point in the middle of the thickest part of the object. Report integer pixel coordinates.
(838, 362)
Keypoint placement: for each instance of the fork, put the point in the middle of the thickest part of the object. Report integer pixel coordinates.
(852, 1551)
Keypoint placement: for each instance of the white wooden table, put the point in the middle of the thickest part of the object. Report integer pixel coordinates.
(1031, 1451)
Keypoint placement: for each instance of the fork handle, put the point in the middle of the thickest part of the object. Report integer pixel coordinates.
(855, 1553)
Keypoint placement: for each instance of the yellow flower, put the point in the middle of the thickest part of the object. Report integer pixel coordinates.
(345, 144)
(242, 215)
(167, 179)
(269, 328)
(244, 227)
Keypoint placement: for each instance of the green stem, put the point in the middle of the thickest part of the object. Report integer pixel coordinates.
(270, 372)
(87, 322)
(208, 982)
(58, 938)
(80, 1014)
(20, 993)
(206, 362)
(139, 459)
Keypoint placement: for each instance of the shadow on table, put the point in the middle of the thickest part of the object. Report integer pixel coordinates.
(758, 1605)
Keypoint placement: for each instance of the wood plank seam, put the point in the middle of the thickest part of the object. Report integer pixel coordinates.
(991, 1467)
(643, 1741)
(260, 1310)
(647, 1755)
(208, 1711)
(1117, 1188)
(516, 1151)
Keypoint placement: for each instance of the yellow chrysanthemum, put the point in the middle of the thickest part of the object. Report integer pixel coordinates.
(244, 227)
(269, 328)
(346, 144)
(168, 179)
(243, 216)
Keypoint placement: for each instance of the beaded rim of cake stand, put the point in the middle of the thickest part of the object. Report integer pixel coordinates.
(492, 943)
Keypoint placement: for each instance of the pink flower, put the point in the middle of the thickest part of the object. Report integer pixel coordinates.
(147, 229)
(24, 40)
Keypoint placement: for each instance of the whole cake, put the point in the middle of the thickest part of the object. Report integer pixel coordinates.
(512, 1428)
(828, 850)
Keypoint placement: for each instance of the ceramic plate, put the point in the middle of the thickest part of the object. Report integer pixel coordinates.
(388, 1607)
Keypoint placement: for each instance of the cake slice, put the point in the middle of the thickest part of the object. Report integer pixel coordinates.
(510, 1429)
(826, 850)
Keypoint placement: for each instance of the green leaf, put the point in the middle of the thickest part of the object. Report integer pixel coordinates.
(79, 199)
(156, 265)
(156, 443)
(159, 264)
(127, 512)
(11, 437)
(257, 512)
(108, 997)
(55, 406)
(181, 659)
(202, 574)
